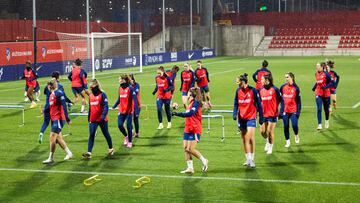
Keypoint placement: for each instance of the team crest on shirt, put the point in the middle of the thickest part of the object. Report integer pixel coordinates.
(292, 91)
(270, 91)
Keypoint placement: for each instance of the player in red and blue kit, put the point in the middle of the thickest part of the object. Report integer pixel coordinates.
(36, 91)
(136, 87)
(78, 76)
(172, 74)
(163, 89)
(58, 115)
(322, 93)
(187, 82)
(30, 77)
(336, 79)
(46, 109)
(290, 107)
(98, 116)
(192, 131)
(246, 104)
(202, 81)
(270, 100)
(127, 105)
(259, 73)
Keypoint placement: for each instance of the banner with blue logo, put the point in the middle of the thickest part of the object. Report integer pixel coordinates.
(14, 72)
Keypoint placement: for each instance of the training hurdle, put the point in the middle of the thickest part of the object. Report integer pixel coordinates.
(221, 111)
(16, 107)
(209, 124)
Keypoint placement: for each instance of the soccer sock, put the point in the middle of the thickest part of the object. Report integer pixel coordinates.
(252, 155)
(248, 156)
(190, 164)
(82, 108)
(202, 158)
(67, 150)
(51, 155)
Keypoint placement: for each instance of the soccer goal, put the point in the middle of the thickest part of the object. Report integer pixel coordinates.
(99, 51)
(111, 50)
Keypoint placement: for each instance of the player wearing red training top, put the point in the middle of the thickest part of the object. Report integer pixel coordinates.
(259, 73)
(30, 76)
(78, 76)
(172, 74)
(290, 107)
(136, 87)
(336, 79)
(58, 115)
(322, 93)
(246, 104)
(187, 81)
(202, 81)
(98, 116)
(270, 100)
(163, 89)
(192, 131)
(127, 105)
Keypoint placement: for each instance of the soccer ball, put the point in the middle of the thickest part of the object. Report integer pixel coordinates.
(175, 105)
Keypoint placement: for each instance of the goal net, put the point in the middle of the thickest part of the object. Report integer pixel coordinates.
(98, 51)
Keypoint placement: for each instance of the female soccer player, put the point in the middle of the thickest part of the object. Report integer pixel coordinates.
(336, 78)
(163, 88)
(246, 104)
(322, 93)
(30, 76)
(172, 74)
(259, 73)
(78, 76)
(270, 100)
(127, 105)
(98, 116)
(36, 91)
(46, 109)
(290, 107)
(58, 114)
(202, 81)
(192, 131)
(187, 81)
(136, 87)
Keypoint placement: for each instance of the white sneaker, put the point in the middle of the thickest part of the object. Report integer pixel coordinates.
(287, 145)
(68, 156)
(169, 125)
(326, 124)
(188, 170)
(126, 141)
(205, 166)
(270, 149)
(48, 161)
(111, 152)
(251, 164)
(266, 148)
(26, 99)
(297, 139)
(37, 99)
(161, 126)
(246, 163)
(319, 127)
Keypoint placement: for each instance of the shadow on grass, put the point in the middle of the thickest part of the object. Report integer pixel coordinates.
(335, 138)
(345, 122)
(251, 190)
(29, 157)
(190, 190)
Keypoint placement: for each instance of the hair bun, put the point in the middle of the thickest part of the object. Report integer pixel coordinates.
(245, 74)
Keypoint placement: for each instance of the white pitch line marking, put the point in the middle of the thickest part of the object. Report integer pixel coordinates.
(356, 105)
(185, 177)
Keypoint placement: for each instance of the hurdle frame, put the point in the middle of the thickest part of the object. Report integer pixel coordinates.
(209, 116)
(2, 106)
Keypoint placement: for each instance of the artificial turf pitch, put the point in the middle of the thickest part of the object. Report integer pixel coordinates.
(324, 167)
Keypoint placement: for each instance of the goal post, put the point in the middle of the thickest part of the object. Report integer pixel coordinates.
(115, 50)
(108, 51)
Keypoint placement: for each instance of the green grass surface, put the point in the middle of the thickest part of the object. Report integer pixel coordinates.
(327, 156)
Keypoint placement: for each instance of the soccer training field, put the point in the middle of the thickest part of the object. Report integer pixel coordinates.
(324, 167)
